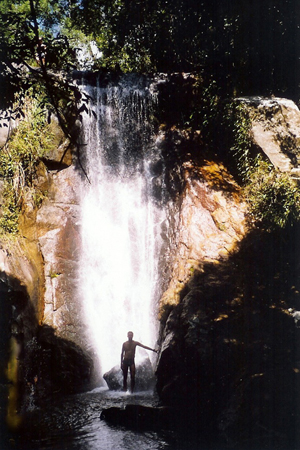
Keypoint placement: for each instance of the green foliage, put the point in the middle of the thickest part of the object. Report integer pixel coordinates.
(273, 198)
(211, 38)
(21, 24)
(240, 144)
(9, 211)
(30, 139)
(18, 160)
(216, 117)
(192, 35)
(142, 36)
(224, 126)
(179, 35)
(27, 61)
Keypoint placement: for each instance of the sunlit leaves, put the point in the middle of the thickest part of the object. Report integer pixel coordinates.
(273, 198)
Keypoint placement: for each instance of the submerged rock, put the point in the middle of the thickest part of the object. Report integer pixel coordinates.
(138, 416)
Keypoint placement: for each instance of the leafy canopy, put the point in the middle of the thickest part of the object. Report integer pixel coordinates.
(249, 47)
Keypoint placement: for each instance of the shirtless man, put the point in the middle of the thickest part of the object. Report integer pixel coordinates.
(127, 359)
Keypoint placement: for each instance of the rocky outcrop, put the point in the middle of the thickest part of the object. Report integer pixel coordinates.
(8, 123)
(53, 364)
(21, 272)
(275, 130)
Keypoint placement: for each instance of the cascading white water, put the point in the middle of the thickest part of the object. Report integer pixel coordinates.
(120, 221)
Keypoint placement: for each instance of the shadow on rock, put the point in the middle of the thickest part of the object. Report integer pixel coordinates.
(237, 344)
(53, 365)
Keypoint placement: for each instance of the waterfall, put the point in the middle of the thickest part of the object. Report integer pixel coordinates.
(121, 221)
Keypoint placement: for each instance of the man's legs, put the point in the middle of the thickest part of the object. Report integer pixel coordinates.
(132, 376)
(125, 373)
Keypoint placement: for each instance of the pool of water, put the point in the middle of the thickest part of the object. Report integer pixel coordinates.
(73, 423)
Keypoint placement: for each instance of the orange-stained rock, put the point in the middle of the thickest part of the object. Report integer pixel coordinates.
(210, 222)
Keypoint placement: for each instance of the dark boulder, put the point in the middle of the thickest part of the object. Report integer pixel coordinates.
(50, 364)
(114, 378)
(138, 417)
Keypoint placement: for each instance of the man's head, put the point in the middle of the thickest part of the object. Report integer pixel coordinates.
(130, 335)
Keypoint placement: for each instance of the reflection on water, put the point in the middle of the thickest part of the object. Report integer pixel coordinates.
(73, 423)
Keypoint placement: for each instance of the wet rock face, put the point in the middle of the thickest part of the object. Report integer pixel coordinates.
(52, 245)
(210, 224)
(39, 362)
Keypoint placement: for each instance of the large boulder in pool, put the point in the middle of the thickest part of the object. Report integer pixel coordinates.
(139, 417)
(114, 378)
(144, 377)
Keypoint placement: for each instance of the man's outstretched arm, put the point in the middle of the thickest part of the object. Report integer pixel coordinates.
(147, 348)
